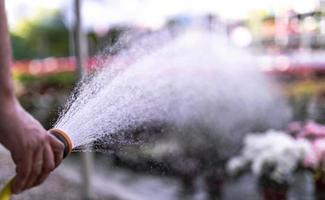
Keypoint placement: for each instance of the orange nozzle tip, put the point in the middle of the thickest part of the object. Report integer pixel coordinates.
(64, 135)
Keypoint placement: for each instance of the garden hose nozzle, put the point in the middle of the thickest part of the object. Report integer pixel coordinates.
(6, 192)
(64, 138)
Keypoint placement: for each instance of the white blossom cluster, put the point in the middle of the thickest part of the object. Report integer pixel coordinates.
(273, 150)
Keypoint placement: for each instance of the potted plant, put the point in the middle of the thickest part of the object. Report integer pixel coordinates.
(273, 157)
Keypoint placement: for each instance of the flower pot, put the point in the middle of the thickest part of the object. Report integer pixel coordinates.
(320, 187)
(272, 190)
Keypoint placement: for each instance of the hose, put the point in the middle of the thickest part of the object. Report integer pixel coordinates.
(6, 192)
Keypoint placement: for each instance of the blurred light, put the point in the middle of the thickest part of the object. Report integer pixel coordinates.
(266, 63)
(19, 10)
(241, 36)
(105, 13)
(310, 24)
(282, 63)
(322, 25)
(305, 6)
(35, 67)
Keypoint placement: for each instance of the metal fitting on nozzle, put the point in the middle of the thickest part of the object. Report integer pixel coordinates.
(64, 138)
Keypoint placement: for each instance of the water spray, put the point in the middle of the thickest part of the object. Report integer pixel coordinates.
(6, 192)
(181, 84)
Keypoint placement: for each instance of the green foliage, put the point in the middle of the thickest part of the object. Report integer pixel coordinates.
(107, 41)
(21, 49)
(42, 37)
(43, 96)
(306, 99)
(60, 80)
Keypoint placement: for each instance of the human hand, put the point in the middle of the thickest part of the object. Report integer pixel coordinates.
(34, 151)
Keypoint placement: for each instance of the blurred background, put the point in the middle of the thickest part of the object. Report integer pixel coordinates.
(287, 37)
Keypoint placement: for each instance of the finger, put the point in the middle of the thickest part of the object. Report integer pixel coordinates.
(57, 148)
(48, 166)
(41, 179)
(36, 167)
(23, 170)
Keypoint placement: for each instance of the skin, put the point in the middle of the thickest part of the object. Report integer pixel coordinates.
(34, 151)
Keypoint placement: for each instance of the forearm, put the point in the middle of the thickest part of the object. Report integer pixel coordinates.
(6, 83)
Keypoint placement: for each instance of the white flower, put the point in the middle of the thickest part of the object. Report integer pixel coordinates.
(273, 150)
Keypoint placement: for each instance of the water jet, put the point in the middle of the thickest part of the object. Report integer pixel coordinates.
(207, 92)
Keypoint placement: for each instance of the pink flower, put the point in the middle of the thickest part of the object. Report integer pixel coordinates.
(315, 134)
(314, 129)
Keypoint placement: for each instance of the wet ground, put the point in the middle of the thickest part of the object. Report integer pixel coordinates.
(58, 186)
(112, 183)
